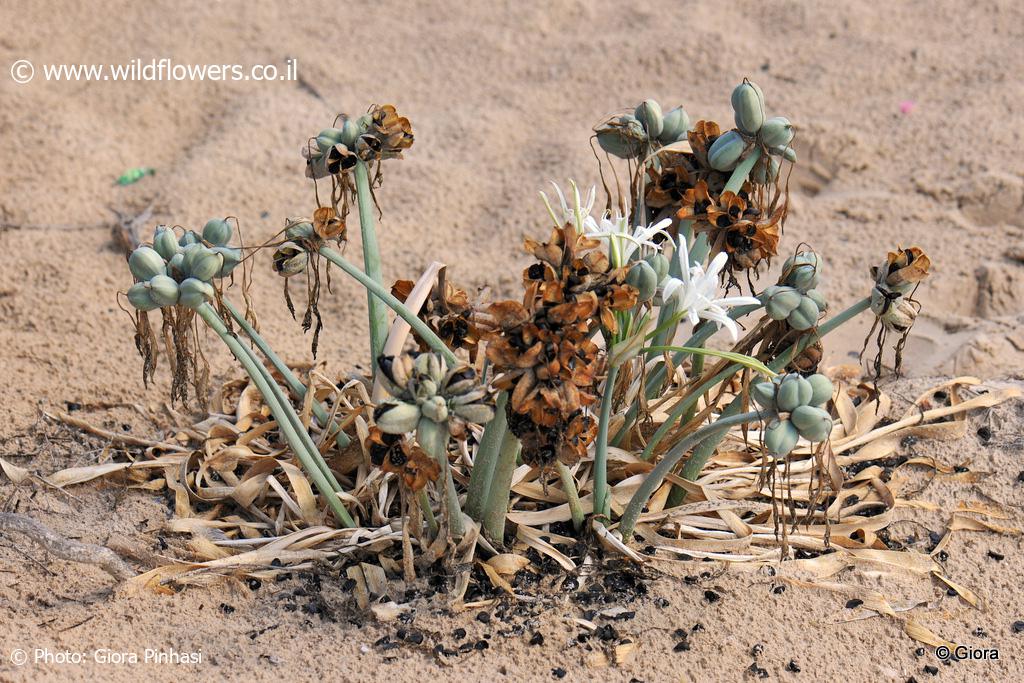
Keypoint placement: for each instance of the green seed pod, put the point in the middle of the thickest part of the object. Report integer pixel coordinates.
(139, 297)
(290, 259)
(780, 437)
(328, 138)
(165, 243)
(814, 424)
(793, 391)
(350, 132)
(397, 418)
(202, 263)
(818, 299)
(217, 232)
(649, 114)
(804, 316)
(476, 413)
(435, 409)
(459, 380)
(163, 290)
(801, 271)
(643, 277)
(623, 138)
(190, 237)
(176, 267)
(299, 229)
(428, 368)
(660, 263)
(194, 293)
(232, 257)
(145, 262)
(780, 301)
(821, 389)
(748, 105)
(763, 394)
(777, 132)
(765, 171)
(726, 151)
(787, 153)
(676, 124)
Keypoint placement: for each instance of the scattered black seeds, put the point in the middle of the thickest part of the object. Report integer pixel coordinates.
(681, 646)
(606, 633)
(570, 584)
(415, 637)
(690, 580)
(940, 395)
(779, 589)
(466, 647)
(484, 618)
(757, 650)
(979, 632)
(998, 557)
(931, 670)
(380, 642)
(347, 585)
(558, 672)
(758, 671)
(481, 645)
(985, 434)
(951, 592)
(712, 596)
(853, 604)
(226, 609)
(960, 469)
(1018, 626)
(911, 680)
(908, 441)
(934, 536)
(680, 633)
(698, 627)
(459, 633)
(254, 584)
(73, 406)
(943, 556)
(537, 639)
(1020, 477)
(793, 667)
(661, 602)
(919, 652)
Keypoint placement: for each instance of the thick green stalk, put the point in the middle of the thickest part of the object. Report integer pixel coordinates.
(486, 459)
(281, 411)
(501, 488)
(602, 494)
(424, 502)
(433, 438)
(371, 261)
(571, 494)
(293, 382)
(378, 290)
(656, 476)
(742, 172)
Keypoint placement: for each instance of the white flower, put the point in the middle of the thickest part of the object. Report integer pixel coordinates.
(622, 239)
(578, 213)
(695, 292)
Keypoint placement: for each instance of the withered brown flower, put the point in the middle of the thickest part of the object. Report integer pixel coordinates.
(327, 224)
(395, 453)
(449, 314)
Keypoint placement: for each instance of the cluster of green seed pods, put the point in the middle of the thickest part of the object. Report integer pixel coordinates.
(628, 136)
(753, 127)
(178, 270)
(796, 402)
(647, 274)
(796, 298)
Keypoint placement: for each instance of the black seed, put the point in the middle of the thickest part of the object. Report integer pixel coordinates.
(979, 632)
(254, 584)
(793, 667)
(680, 633)
(681, 646)
(931, 670)
(757, 650)
(998, 557)
(73, 406)
(919, 652)
(537, 639)
(661, 602)
(483, 618)
(985, 434)
(459, 633)
(481, 645)
(951, 592)
(697, 628)
(415, 637)
(226, 609)
(779, 589)
(852, 604)
(690, 580)
(934, 537)
(943, 556)
(558, 672)
(1018, 626)
(712, 596)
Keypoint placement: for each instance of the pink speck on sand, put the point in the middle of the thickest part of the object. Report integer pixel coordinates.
(907, 106)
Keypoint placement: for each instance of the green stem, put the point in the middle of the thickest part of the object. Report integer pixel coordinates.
(378, 316)
(486, 459)
(501, 489)
(602, 494)
(428, 512)
(297, 387)
(283, 413)
(433, 438)
(571, 494)
(656, 476)
(742, 172)
(377, 290)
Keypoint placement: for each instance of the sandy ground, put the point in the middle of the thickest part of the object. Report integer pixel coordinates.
(502, 97)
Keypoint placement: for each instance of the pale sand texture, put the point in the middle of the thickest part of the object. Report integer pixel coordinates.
(502, 97)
